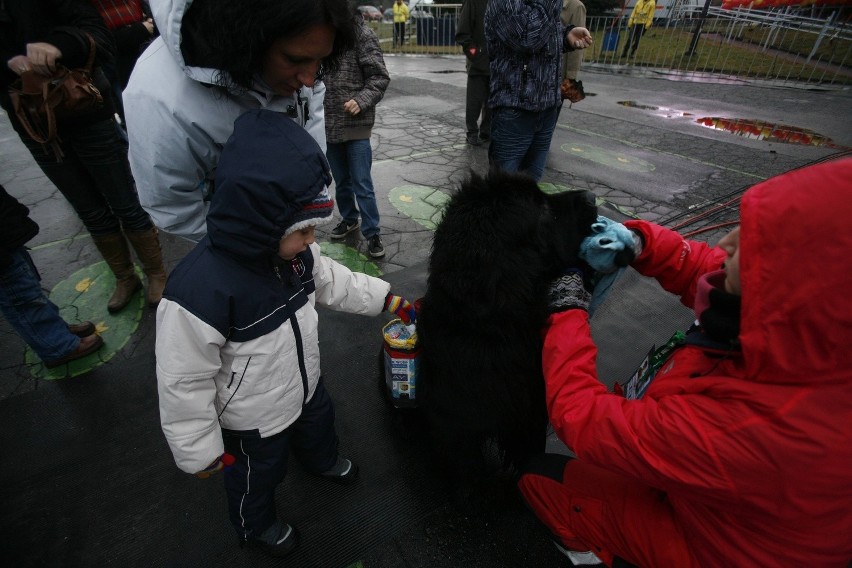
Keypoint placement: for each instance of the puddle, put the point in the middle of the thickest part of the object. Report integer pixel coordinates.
(760, 130)
(754, 129)
(664, 112)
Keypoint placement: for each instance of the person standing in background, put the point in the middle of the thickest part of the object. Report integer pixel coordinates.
(400, 17)
(23, 302)
(526, 41)
(573, 14)
(640, 20)
(352, 93)
(470, 34)
(93, 174)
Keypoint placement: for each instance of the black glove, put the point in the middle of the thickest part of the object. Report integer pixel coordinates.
(568, 292)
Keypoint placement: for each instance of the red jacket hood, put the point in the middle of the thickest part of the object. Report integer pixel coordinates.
(796, 309)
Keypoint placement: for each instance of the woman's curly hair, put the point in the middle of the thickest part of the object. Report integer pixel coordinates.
(233, 37)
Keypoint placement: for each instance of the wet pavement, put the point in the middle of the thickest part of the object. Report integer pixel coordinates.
(636, 141)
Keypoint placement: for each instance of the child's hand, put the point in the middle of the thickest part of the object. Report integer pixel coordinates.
(401, 307)
(220, 463)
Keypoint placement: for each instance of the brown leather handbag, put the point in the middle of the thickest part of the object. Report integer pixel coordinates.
(38, 100)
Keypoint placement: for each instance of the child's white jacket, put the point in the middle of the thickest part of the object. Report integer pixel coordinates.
(237, 345)
(207, 381)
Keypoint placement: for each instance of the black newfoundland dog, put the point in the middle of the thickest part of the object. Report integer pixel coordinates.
(480, 387)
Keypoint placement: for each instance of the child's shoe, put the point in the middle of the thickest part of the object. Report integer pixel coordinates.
(278, 540)
(344, 472)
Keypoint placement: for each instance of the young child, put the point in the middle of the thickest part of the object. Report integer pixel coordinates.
(237, 349)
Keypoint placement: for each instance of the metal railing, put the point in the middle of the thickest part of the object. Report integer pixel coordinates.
(785, 45)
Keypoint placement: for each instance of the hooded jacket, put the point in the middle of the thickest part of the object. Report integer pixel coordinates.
(237, 343)
(178, 120)
(753, 449)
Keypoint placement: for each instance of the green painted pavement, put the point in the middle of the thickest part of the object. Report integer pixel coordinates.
(424, 205)
(617, 160)
(83, 296)
(350, 258)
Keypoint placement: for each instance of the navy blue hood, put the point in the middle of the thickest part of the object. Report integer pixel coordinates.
(269, 169)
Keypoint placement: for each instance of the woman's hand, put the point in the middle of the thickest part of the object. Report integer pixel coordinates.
(43, 57)
(579, 38)
(19, 64)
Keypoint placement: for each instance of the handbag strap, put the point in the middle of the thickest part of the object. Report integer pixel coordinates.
(24, 114)
(93, 49)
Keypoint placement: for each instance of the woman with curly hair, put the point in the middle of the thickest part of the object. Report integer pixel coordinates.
(214, 60)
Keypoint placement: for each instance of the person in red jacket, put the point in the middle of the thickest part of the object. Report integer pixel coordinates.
(739, 450)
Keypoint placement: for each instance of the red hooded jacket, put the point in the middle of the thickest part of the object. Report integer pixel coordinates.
(753, 450)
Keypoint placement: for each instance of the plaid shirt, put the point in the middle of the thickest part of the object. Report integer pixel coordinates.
(118, 13)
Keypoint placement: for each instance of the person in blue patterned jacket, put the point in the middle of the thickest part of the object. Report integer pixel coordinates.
(526, 40)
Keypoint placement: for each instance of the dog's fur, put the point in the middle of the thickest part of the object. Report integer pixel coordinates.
(500, 243)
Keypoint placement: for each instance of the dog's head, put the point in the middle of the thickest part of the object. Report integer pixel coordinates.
(570, 219)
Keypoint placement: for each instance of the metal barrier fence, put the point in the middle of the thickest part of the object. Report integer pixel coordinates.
(786, 45)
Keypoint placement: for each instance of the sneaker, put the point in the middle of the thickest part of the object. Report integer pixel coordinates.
(344, 472)
(278, 540)
(375, 246)
(343, 228)
(87, 346)
(473, 139)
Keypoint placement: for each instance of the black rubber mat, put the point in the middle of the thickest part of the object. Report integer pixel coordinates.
(87, 478)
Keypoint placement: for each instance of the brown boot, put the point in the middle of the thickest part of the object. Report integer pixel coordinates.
(147, 247)
(87, 346)
(114, 249)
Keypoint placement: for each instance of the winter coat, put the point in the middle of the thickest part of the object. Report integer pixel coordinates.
(643, 13)
(362, 77)
(400, 13)
(237, 342)
(16, 227)
(177, 122)
(63, 24)
(752, 448)
(470, 33)
(525, 41)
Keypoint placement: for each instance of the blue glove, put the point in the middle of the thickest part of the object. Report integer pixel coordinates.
(610, 247)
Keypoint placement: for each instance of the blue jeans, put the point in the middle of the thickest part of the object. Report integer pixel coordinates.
(520, 139)
(30, 312)
(350, 165)
(94, 176)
